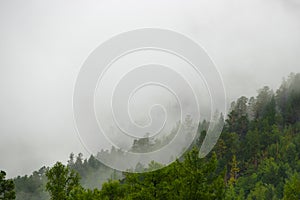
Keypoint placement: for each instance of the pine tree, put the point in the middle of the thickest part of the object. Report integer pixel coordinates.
(61, 181)
(234, 170)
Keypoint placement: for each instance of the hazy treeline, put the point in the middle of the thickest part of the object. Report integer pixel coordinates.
(256, 157)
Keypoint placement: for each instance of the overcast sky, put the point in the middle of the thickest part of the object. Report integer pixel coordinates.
(44, 43)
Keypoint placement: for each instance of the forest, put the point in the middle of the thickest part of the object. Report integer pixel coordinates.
(256, 157)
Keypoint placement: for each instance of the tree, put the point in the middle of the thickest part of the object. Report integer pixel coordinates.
(292, 188)
(238, 120)
(71, 160)
(112, 190)
(288, 98)
(262, 100)
(261, 192)
(252, 146)
(192, 178)
(6, 188)
(80, 193)
(233, 171)
(61, 181)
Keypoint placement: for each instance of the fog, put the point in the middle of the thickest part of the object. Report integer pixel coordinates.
(44, 44)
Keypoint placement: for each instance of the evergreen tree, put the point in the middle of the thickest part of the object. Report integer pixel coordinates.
(6, 188)
(61, 181)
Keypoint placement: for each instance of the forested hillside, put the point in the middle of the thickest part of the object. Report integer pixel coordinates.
(256, 157)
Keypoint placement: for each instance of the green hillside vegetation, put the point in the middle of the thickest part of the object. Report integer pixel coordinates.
(257, 157)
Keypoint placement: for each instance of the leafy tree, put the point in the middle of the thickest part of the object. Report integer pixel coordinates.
(263, 98)
(288, 98)
(112, 190)
(238, 120)
(71, 160)
(193, 178)
(32, 187)
(198, 177)
(262, 191)
(292, 188)
(79, 193)
(6, 188)
(61, 181)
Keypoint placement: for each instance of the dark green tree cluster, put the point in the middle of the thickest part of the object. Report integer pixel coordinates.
(32, 187)
(194, 178)
(261, 138)
(61, 181)
(92, 172)
(7, 187)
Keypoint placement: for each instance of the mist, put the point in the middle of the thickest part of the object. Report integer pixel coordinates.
(44, 44)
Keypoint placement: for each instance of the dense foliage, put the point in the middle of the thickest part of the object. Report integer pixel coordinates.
(256, 157)
(6, 187)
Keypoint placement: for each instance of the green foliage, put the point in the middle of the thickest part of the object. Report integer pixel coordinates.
(292, 188)
(112, 190)
(6, 188)
(262, 191)
(61, 181)
(194, 178)
(79, 193)
(234, 170)
(32, 187)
